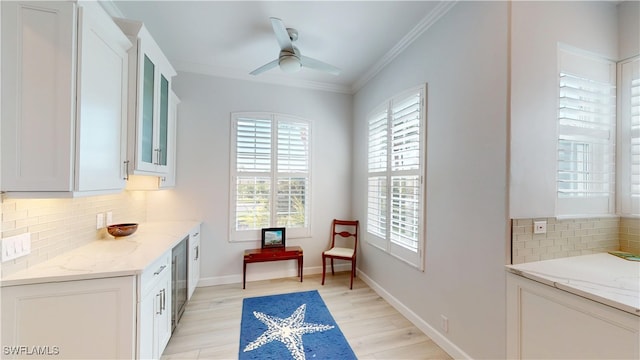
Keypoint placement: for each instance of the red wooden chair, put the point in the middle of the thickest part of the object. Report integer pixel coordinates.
(343, 229)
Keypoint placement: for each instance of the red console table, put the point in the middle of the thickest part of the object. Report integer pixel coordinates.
(271, 254)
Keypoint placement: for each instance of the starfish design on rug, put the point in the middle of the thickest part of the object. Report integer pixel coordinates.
(288, 331)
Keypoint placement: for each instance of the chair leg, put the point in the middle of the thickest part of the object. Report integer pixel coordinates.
(332, 272)
(353, 273)
(353, 263)
(324, 268)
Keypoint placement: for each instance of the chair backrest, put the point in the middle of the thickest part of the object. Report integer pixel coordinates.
(345, 229)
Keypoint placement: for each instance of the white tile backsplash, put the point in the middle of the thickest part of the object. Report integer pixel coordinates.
(60, 225)
(571, 237)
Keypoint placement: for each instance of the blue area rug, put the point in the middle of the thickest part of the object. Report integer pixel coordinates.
(290, 326)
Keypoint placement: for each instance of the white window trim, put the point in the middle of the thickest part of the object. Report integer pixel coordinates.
(415, 259)
(255, 234)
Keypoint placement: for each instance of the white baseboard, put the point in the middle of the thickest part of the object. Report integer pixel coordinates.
(437, 337)
(237, 278)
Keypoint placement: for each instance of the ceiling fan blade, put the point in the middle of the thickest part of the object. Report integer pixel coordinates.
(318, 65)
(281, 34)
(265, 67)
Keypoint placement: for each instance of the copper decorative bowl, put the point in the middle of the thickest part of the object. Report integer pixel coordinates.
(120, 230)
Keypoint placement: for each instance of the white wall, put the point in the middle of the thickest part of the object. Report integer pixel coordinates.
(537, 29)
(463, 58)
(202, 190)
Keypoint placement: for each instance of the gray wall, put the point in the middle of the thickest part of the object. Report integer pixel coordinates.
(463, 58)
(202, 190)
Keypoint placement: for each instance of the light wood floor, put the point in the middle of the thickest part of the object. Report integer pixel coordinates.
(210, 326)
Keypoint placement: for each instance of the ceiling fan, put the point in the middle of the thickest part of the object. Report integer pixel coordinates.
(290, 59)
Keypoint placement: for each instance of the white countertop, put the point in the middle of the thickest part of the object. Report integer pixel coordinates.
(603, 277)
(108, 257)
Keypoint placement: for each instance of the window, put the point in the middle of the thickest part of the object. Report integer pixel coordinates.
(586, 135)
(270, 175)
(396, 166)
(629, 137)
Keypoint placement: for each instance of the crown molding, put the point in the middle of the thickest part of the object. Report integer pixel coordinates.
(431, 18)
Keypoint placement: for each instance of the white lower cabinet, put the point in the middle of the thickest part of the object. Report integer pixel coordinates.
(194, 261)
(90, 319)
(155, 309)
(548, 323)
(70, 320)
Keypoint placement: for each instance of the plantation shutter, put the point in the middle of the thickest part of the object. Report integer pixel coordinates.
(405, 171)
(635, 137)
(270, 174)
(629, 135)
(293, 171)
(395, 190)
(586, 135)
(253, 165)
(377, 181)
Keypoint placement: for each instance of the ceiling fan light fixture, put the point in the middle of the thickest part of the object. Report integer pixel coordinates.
(290, 63)
(290, 60)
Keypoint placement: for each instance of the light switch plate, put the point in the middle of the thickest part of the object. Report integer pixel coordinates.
(99, 221)
(14, 247)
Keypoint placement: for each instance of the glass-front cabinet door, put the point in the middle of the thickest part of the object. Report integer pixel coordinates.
(163, 132)
(146, 133)
(150, 134)
(153, 120)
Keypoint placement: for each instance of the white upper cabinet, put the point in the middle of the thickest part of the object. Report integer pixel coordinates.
(64, 92)
(150, 74)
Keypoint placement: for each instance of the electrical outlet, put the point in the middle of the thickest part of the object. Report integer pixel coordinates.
(99, 221)
(540, 227)
(444, 323)
(109, 218)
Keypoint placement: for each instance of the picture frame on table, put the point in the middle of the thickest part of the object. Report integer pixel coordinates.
(273, 237)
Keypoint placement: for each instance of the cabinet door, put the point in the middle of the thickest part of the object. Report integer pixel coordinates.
(85, 319)
(163, 317)
(146, 128)
(146, 314)
(169, 180)
(152, 149)
(102, 96)
(38, 95)
(547, 323)
(155, 309)
(163, 128)
(194, 260)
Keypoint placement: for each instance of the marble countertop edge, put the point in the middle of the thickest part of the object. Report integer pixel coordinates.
(582, 293)
(603, 278)
(109, 257)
